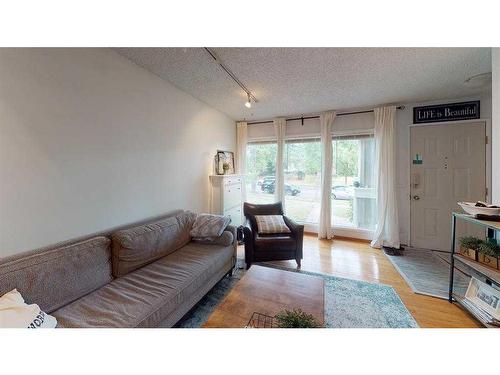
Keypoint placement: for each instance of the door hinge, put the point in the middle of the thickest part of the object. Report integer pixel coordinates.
(486, 139)
(486, 191)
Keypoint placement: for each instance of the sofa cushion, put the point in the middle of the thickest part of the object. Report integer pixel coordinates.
(145, 297)
(55, 277)
(135, 247)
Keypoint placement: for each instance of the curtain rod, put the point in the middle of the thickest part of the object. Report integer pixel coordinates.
(311, 117)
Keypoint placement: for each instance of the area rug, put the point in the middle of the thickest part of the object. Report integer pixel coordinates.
(428, 273)
(348, 303)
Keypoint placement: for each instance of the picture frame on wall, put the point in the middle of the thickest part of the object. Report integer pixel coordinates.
(485, 297)
(224, 157)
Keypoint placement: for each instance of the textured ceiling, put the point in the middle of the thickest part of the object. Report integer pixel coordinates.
(294, 81)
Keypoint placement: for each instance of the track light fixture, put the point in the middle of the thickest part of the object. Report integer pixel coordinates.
(248, 104)
(250, 96)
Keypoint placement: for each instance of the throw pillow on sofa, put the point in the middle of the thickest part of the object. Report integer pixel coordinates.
(15, 313)
(225, 239)
(208, 226)
(271, 224)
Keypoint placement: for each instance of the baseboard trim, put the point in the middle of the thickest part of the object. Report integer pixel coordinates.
(362, 240)
(344, 238)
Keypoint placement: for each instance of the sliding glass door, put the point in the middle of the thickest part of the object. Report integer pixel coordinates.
(353, 182)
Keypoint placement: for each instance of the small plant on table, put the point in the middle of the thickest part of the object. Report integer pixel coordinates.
(469, 246)
(296, 319)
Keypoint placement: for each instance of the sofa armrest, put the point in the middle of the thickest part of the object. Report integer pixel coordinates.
(232, 229)
(298, 234)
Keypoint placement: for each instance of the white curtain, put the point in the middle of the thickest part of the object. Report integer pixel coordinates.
(241, 151)
(279, 129)
(387, 231)
(325, 222)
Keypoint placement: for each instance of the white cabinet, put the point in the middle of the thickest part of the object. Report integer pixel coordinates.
(226, 197)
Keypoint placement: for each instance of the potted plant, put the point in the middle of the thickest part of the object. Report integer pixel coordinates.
(469, 246)
(488, 253)
(296, 319)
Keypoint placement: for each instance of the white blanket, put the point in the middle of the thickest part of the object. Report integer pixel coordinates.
(15, 313)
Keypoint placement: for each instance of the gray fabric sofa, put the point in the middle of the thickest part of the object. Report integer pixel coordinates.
(148, 274)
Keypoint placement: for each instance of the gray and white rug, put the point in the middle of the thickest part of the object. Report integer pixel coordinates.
(348, 303)
(428, 273)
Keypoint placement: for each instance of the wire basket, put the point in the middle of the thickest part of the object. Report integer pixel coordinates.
(259, 320)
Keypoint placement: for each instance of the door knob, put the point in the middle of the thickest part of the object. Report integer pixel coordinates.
(416, 197)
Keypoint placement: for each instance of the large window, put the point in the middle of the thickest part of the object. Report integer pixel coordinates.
(353, 194)
(302, 169)
(353, 182)
(261, 170)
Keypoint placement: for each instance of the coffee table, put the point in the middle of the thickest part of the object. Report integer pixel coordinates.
(268, 291)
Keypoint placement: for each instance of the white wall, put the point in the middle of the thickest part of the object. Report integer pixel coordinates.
(89, 141)
(495, 136)
(404, 119)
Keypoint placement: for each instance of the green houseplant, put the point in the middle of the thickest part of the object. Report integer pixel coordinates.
(469, 246)
(296, 318)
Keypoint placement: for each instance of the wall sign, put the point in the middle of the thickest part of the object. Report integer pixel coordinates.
(446, 112)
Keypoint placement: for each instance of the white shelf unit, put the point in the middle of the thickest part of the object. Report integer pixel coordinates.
(226, 196)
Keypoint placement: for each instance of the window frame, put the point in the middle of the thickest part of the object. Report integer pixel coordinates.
(360, 233)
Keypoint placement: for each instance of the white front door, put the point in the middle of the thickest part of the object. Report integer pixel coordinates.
(448, 165)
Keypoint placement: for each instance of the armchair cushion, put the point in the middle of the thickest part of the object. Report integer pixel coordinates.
(274, 242)
(271, 224)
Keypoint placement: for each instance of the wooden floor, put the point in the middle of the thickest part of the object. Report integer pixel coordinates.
(357, 260)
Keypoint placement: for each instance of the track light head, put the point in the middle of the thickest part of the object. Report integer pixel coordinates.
(248, 104)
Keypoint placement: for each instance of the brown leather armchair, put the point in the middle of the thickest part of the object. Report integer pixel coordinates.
(261, 248)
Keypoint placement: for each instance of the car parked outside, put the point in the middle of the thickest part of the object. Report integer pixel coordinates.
(342, 193)
(266, 181)
(270, 187)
